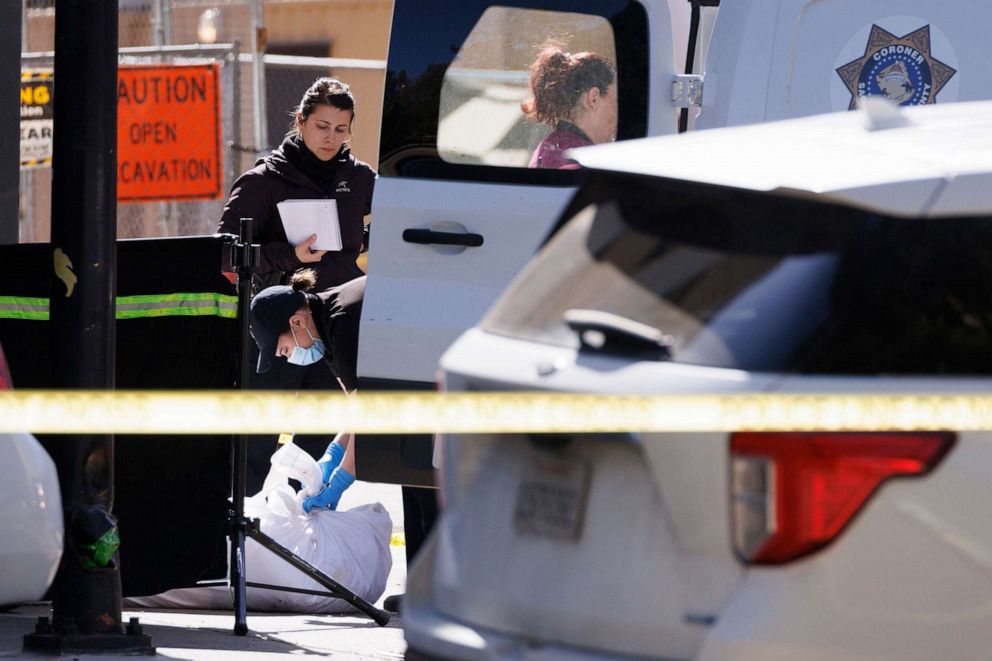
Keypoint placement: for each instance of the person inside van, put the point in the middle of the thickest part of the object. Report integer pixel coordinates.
(576, 95)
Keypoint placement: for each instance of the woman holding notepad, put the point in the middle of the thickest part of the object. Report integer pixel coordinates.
(322, 191)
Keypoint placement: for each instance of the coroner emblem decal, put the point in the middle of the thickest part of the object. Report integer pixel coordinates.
(900, 69)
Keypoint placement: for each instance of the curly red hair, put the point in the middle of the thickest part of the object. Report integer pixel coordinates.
(558, 79)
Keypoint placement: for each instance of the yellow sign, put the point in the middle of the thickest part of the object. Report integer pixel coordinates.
(37, 118)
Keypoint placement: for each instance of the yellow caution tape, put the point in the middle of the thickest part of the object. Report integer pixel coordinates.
(226, 412)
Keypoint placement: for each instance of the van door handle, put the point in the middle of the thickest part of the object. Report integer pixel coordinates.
(442, 238)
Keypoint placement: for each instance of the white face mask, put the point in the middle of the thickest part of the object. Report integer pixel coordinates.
(309, 356)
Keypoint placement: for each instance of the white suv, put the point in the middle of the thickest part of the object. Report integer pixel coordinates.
(30, 514)
(840, 253)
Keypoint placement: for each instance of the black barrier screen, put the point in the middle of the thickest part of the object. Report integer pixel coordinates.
(176, 329)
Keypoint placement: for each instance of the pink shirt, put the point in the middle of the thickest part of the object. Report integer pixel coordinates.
(550, 151)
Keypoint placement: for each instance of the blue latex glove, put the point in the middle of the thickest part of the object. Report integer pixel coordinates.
(331, 460)
(330, 495)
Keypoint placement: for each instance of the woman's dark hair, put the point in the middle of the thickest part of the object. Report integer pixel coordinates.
(324, 92)
(303, 280)
(558, 79)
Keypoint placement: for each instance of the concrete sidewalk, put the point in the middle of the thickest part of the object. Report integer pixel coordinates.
(207, 635)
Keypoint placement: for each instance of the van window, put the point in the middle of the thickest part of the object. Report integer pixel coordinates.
(458, 71)
(481, 116)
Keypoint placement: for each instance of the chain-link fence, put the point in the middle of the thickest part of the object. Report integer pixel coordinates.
(300, 41)
(158, 155)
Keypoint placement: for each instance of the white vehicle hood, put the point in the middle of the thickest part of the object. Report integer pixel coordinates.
(922, 161)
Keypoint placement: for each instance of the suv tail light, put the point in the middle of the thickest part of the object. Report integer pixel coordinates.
(5, 382)
(794, 492)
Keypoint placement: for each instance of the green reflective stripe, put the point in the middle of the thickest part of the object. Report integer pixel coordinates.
(23, 307)
(134, 307)
(165, 298)
(177, 305)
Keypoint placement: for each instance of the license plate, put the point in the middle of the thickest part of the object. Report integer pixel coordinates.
(551, 498)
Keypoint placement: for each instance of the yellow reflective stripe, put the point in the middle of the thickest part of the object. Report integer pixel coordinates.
(227, 412)
(133, 307)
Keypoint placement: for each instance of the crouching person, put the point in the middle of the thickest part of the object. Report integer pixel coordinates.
(290, 323)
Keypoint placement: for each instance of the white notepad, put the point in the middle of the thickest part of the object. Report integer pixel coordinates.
(302, 218)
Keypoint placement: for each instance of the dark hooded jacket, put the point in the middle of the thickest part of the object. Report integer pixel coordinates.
(338, 312)
(276, 178)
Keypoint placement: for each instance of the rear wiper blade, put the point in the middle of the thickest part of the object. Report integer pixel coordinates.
(605, 332)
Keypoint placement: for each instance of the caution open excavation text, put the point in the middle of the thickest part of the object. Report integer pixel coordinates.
(168, 133)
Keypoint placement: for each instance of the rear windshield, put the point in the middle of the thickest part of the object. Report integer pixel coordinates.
(750, 281)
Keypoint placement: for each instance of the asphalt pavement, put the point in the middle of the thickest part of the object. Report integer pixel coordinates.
(203, 635)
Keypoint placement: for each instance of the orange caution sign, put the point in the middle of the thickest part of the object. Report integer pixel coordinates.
(168, 133)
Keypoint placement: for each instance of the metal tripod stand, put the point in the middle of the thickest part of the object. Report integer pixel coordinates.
(244, 259)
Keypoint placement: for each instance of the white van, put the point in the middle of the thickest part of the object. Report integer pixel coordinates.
(457, 212)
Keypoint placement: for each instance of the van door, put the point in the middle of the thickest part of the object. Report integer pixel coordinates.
(457, 211)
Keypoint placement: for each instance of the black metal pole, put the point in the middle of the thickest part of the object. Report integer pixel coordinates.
(84, 233)
(245, 262)
(87, 590)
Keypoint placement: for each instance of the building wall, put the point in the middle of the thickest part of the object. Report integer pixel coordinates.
(356, 28)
